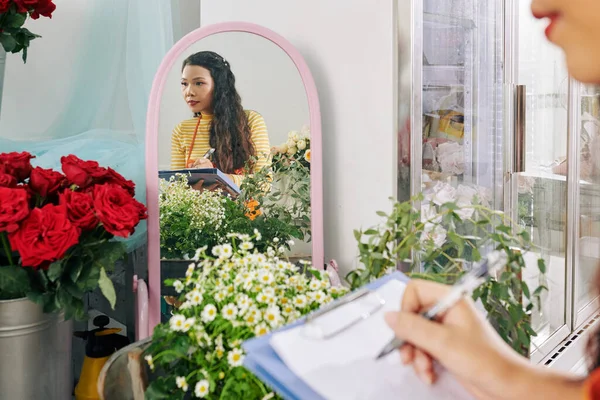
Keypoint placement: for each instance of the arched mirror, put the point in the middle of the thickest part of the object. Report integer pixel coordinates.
(234, 118)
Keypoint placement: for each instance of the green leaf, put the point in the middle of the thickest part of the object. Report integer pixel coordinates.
(107, 254)
(14, 282)
(107, 288)
(458, 241)
(541, 265)
(14, 20)
(8, 42)
(55, 270)
(525, 289)
(157, 390)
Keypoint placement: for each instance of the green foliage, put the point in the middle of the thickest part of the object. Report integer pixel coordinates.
(14, 38)
(232, 295)
(440, 242)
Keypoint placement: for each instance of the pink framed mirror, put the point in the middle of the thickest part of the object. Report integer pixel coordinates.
(280, 99)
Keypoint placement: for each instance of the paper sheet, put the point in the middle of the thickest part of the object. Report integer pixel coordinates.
(345, 366)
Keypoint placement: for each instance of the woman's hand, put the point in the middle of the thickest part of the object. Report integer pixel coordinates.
(201, 163)
(462, 342)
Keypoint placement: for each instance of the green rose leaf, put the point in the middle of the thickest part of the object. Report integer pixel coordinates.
(14, 282)
(8, 42)
(107, 288)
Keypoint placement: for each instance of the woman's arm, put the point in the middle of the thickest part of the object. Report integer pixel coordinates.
(177, 150)
(260, 138)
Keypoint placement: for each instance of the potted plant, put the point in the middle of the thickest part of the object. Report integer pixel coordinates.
(56, 244)
(228, 295)
(452, 229)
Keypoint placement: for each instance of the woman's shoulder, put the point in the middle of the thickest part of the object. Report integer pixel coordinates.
(253, 115)
(255, 120)
(185, 125)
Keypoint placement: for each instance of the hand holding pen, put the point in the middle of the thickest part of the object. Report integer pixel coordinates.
(460, 339)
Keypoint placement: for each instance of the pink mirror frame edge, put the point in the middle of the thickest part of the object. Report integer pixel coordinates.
(152, 120)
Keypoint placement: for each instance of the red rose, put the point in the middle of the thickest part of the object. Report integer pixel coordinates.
(4, 6)
(6, 180)
(118, 211)
(45, 236)
(25, 5)
(46, 182)
(17, 164)
(80, 209)
(45, 8)
(14, 207)
(81, 173)
(113, 176)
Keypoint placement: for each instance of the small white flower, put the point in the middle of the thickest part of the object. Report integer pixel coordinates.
(230, 311)
(194, 297)
(269, 396)
(235, 358)
(226, 251)
(291, 243)
(257, 234)
(300, 301)
(176, 322)
(182, 383)
(276, 240)
(301, 144)
(190, 270)
(150, 361)
(325, 284)
(252, 318)
(220, 296)
(318, 297)
(217, 251)
(202, 388)
(186, 305)
(270, 252)
(261, 330)
(281, 250)
(243, 302)
(314, 284)
(273, 316)
(265, 277)
(263, 297)
(247, 246)
(188, 324)
(178, 285)
(209, 313)
(288, 309)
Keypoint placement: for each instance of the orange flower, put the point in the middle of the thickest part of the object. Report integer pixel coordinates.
(307, 155)
(253, 209)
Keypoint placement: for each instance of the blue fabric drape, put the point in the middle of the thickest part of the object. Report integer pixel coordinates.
(125, 41)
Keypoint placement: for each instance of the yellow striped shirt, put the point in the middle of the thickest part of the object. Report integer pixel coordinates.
(181, 140)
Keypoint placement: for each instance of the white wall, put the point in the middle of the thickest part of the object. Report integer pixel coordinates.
(266, 79)
(349, 46)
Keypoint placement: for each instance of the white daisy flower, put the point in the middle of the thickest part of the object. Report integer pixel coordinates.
(269, 291)
(182, 383)
(325, 284)
(226, 251)
(235, 358)
(202, 388)
(220, 296)
(176, 322)
(261, 330)
(209, 313)
(190, 270)
(273, 316)
(194, 297)
(217, 251)
(263, 297)
(288, 309)
(230, 311)
(178, 285)
(186, 305)
(252, 319)
(300, 301)
(314, 284)
(150, 361)
(247, 246)
(188, 324)
(243, 302)
(318, 297)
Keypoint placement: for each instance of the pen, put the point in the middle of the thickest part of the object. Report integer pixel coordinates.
(465, 286)
(209, 153)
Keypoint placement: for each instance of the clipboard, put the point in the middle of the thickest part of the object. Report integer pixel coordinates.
(265, 363)
(208, 175)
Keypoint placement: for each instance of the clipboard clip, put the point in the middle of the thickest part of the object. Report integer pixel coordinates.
(316, 331)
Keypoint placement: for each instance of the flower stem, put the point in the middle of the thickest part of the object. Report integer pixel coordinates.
(7, 248)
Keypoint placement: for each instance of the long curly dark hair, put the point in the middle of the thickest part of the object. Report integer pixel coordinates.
(230, 134)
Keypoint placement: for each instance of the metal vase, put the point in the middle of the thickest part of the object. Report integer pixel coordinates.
(35, 353)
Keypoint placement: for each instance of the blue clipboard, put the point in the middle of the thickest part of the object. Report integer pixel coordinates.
(264, 362)
(208, 175)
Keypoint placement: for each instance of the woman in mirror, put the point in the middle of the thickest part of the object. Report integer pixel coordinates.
(239, 137)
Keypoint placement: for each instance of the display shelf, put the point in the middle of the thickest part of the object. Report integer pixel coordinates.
(448, 20)
(443, 75)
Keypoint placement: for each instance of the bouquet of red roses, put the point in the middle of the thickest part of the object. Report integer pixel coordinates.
(13, 13)
(56, 230)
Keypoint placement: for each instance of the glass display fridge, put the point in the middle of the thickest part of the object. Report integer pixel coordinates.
(484, 100)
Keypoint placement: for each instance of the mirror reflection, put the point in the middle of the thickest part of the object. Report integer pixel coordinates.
(234, 150)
